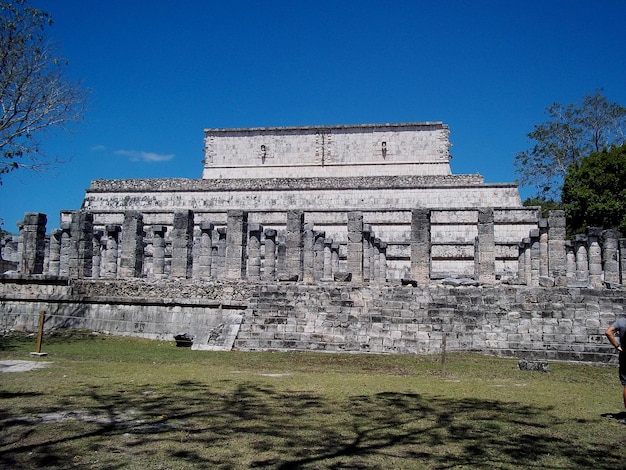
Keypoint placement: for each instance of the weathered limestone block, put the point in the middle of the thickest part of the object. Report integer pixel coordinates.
(420, 245)
(131, 246)
(543, 247)
(582, 260)
(97, 253)
(367, 246)
(595, 257)
(236, 244)
(33, 244)
(382, 265)
(318, 258)
(570, 260)
(355, 246)
(219, 254)
(81, 254)
(328, 260)
(308, 255)
(535, 257)
(206, 250)
(55, 252)
(112, 233)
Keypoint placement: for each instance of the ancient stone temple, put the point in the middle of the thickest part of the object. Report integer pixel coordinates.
(396, 176)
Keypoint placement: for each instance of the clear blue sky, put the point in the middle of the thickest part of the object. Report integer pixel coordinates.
(161, 71)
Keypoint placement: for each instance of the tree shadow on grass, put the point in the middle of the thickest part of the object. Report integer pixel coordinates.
(191, 424)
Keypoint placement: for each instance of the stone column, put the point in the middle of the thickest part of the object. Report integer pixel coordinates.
(111, 253)
(66, 249)
(269, 268)
(281, 257)
(131, 246)
(543, 247)
(32, 238)
(236, 241)
(582, 261)
(97, 253)
(595, 257)
(308, 255)
(610, 257)
(521, 263)
(81, 254)
(318, 258)
(254, 252)
(158, 251)
(55, 252)
(376, 259)
(622, 260)
(182, 245)
(372, 255)
(527, 260)
(334, 257)
(535, 257)
(328, 260)
(367, 247)
(382, 265)
(420, 245)
(485, 247)
(206, 250)
(570, 261)
(219, 260)
(294, 244)
(557, 260)
(355, 246)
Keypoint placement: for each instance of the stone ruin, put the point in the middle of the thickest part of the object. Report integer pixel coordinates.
(364, 205)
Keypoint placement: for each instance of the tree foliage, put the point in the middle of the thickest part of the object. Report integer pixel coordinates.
(35, 95)
(594, 191)
(572, 132)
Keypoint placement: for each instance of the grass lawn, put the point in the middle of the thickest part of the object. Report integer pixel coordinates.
(114, 402)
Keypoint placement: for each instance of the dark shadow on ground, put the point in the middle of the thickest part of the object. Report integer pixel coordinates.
(190, 423)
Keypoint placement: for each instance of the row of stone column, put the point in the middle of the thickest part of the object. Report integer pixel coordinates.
(238, 251)
(595, 259)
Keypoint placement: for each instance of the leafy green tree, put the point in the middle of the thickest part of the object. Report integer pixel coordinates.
(572, 132)
(594, 191)
(35, 96)
(546, 205)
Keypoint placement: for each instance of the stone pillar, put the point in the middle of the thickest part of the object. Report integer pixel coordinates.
(355, 246)
(595, 257)
(582, 262)
(158, 251)
(610, 257)
(318, 258)
(32, 238)
(376, 259)
(527, 260)
(535, 257)
(485, 247)
(66, 244)
(294, 244)
(131, 246)
(254, 252)
(81, 254)
(269, 268)
(382, 265)
(570, 261)
(328, 260)
(557, 260)
(367, 247)
(97, 253)
(308, 255)
(420, 245)
(206, 250)
(521, 263)
(622, 260)
(55, 252)
(236, 241)
(543, 247)
(281, 257)
(219, 260)
(112, 251)
(373, 253)
(334, 257)
(182, 245)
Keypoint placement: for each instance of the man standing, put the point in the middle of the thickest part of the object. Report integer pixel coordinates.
(619, 329)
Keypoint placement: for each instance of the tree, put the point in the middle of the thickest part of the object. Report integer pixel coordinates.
(572, 132)
(594, 191)
(34, 93)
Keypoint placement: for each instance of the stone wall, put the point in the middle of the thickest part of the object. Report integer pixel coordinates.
(526, 322)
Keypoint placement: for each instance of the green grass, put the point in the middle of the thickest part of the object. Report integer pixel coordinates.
(114, 402)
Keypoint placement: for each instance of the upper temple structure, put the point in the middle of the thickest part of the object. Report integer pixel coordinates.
(368, 203)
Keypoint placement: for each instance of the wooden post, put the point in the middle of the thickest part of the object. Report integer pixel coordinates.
(42, 315)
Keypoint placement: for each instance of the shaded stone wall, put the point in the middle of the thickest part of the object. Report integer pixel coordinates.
(547, 323)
